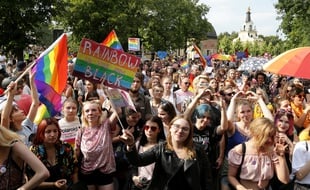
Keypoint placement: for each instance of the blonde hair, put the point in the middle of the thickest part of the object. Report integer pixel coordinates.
(7, 137)
(241, 103)
(102, 117)
(188, 143)
(197, 79)
(261, 130)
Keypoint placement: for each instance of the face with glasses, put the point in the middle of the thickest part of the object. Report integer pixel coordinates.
(185, 84)
(180, 130)
(298, 99)
(151, 130)
(229, 94)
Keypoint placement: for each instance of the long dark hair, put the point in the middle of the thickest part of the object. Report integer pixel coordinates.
(169, 108)
(160, 136)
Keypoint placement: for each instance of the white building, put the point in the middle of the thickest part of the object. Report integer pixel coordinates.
(248, 32)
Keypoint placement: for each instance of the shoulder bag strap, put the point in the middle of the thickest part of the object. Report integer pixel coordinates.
(242, 159)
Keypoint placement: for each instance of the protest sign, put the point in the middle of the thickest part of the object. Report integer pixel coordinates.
(120, 98)
(134, 44)
(99, 63)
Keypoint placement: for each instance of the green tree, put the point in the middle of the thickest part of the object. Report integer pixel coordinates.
(19, 21)
(295, 16)
(238, 46)
(161, 24)
(225, 44)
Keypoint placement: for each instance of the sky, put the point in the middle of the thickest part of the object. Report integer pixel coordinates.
(229, 15)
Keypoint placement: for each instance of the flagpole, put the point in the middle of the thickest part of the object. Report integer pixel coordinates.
(113, 106)
(22, 75)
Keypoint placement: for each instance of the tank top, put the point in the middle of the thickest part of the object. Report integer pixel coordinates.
(13, 177)
(235, 139)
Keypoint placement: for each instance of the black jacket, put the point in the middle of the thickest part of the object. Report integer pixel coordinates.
(172, 173)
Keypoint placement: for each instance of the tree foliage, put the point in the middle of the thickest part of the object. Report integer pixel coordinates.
(295, 16)
(20, 20)
(161, 24)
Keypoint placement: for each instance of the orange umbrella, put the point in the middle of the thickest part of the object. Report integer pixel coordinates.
(294, 62)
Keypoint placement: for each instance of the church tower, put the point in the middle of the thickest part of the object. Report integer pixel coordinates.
(248, 32)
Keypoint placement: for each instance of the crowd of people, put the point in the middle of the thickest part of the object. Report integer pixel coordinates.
(190, 129)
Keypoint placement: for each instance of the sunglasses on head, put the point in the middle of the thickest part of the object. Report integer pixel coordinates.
(283, 111)
(147, 127)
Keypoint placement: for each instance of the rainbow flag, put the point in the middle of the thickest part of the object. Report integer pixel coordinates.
(184, 64)
(202, 59)
(112, 41)
(134, 44)
(51, 76)
(41, 114)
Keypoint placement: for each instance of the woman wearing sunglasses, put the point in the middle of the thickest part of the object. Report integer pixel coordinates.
(301, 110)
(152, 134)
(179, 163)
(15, 119)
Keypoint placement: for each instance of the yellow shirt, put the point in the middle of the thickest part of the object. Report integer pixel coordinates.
(257, 113)
(298, 111)
(304, 135)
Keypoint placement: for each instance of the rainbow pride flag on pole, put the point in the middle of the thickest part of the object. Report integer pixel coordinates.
(202, 59)
(51, 77)
(112, 41)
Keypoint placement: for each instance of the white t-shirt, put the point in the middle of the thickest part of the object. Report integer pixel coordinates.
(300, 157)
(69, 130)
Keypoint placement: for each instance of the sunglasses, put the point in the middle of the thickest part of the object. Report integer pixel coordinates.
(147, 127)
(230, 94)
(283, 111)
(300, 96)
(187, 83)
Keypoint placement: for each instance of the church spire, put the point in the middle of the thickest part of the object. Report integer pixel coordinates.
(248, 16)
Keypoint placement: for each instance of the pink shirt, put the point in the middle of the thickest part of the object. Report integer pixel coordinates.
(96, 147)
(255, 167)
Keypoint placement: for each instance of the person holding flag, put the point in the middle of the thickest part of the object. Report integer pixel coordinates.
(14, 118)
